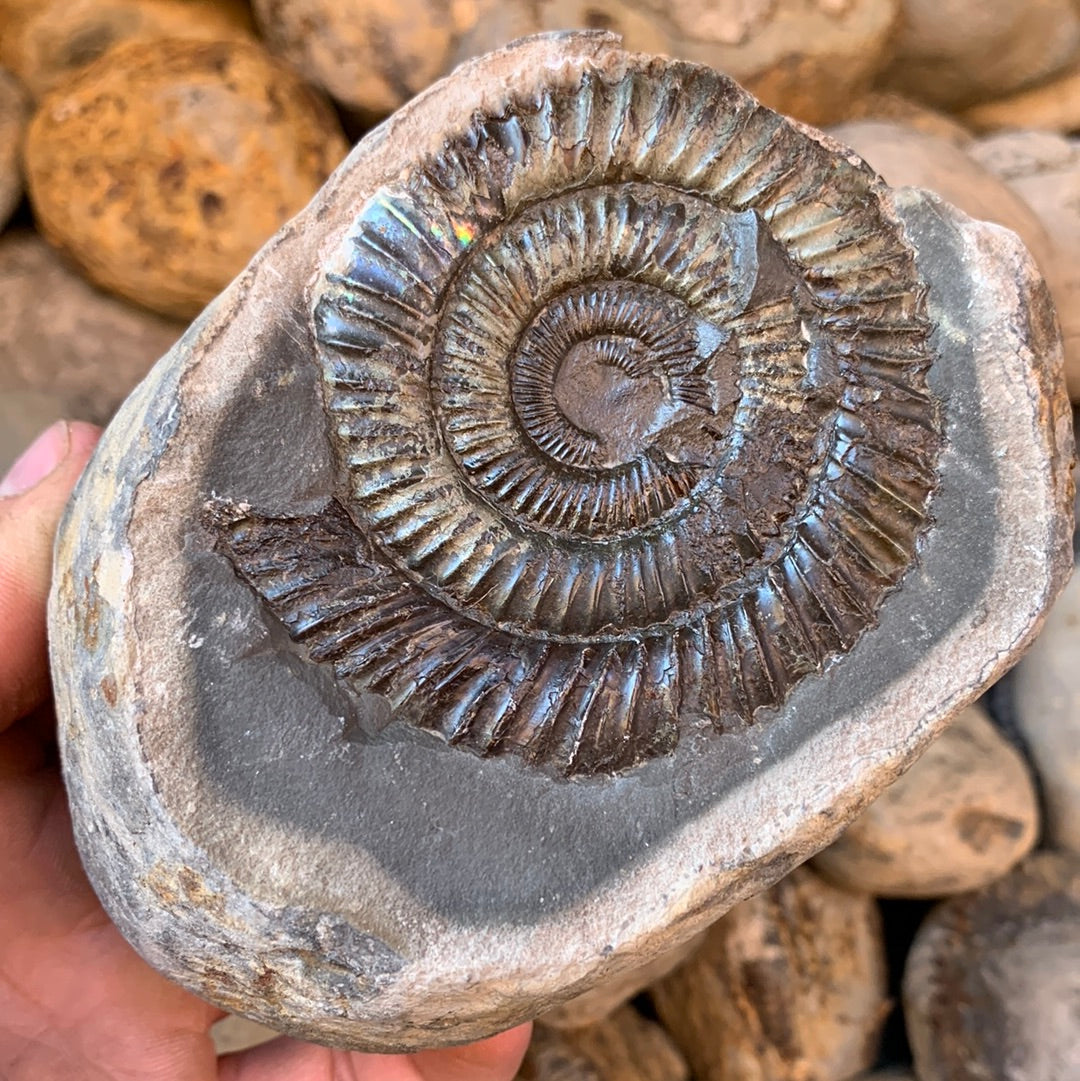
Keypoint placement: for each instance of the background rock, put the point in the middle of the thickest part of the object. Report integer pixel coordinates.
(1044, 170)
(1046, 689)
(498, 21)
(955, 52)
(1054, 105)
(958, 819)
(53, 39)
(1018, 155)
(893, 108)
(789, 985)
(370, 55)
(13, 117)
(164, 166)
(993, 979)
(626, 1047)
(806, 58)
(921, 160)
(61, 337)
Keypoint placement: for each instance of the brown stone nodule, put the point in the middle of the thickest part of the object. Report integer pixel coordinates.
(991, 983)
(163, 166)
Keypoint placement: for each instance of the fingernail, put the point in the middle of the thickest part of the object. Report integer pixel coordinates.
(38, 460)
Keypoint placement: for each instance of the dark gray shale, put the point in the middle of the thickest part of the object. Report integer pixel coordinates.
(283, 846)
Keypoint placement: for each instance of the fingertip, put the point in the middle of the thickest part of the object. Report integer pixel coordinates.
(511, 1044)
(48, 468)
(515, 1044)
(84, 437)
(32, 498)
(495, 1059)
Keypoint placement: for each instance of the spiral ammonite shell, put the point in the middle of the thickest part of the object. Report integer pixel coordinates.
(627, 386)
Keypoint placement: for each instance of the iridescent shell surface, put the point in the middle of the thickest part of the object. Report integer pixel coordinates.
(627, 387)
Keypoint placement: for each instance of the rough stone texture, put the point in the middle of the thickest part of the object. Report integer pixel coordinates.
(625, 1047)
(603, 1000)
(163, 166)
(789, 986)
(958, 819)
(238, 1034)
(50, 40)
(1051, 106)
(806, 58)
(993, 979)
(13, 117)
(370, 55)
(1021, 155)
(261, 833)
(892, 108)
(13, 10)
(921, 160)
(953, 53)
(1044, 170)
(1047, 697)
(61, 337)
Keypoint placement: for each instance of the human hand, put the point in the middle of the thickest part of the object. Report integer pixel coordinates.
(76, 1002)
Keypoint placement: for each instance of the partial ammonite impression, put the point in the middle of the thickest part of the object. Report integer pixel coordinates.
(628, 390)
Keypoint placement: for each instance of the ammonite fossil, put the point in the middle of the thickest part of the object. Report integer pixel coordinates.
(558, 532)
(633, 425)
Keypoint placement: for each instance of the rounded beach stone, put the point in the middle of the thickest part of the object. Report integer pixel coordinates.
(1046, 691)
(561, 529)
(13, 117)
(892, 108)
(13, 10)
(922, 160)
(790, 984)
(1044, 170)
(62, 337)
(958, 819)
(162, 167)
(605, 998)
(51, 40)
(953, 53)
(625, 1047)
(1051, 106)
(993, 978)
(496, 22)
(807, 59)
(370, 55)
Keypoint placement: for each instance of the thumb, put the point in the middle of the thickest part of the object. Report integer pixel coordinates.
(495, 1059)
(32, 497)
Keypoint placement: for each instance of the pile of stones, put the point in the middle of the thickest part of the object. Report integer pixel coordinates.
(809, 980)
(160, 143)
